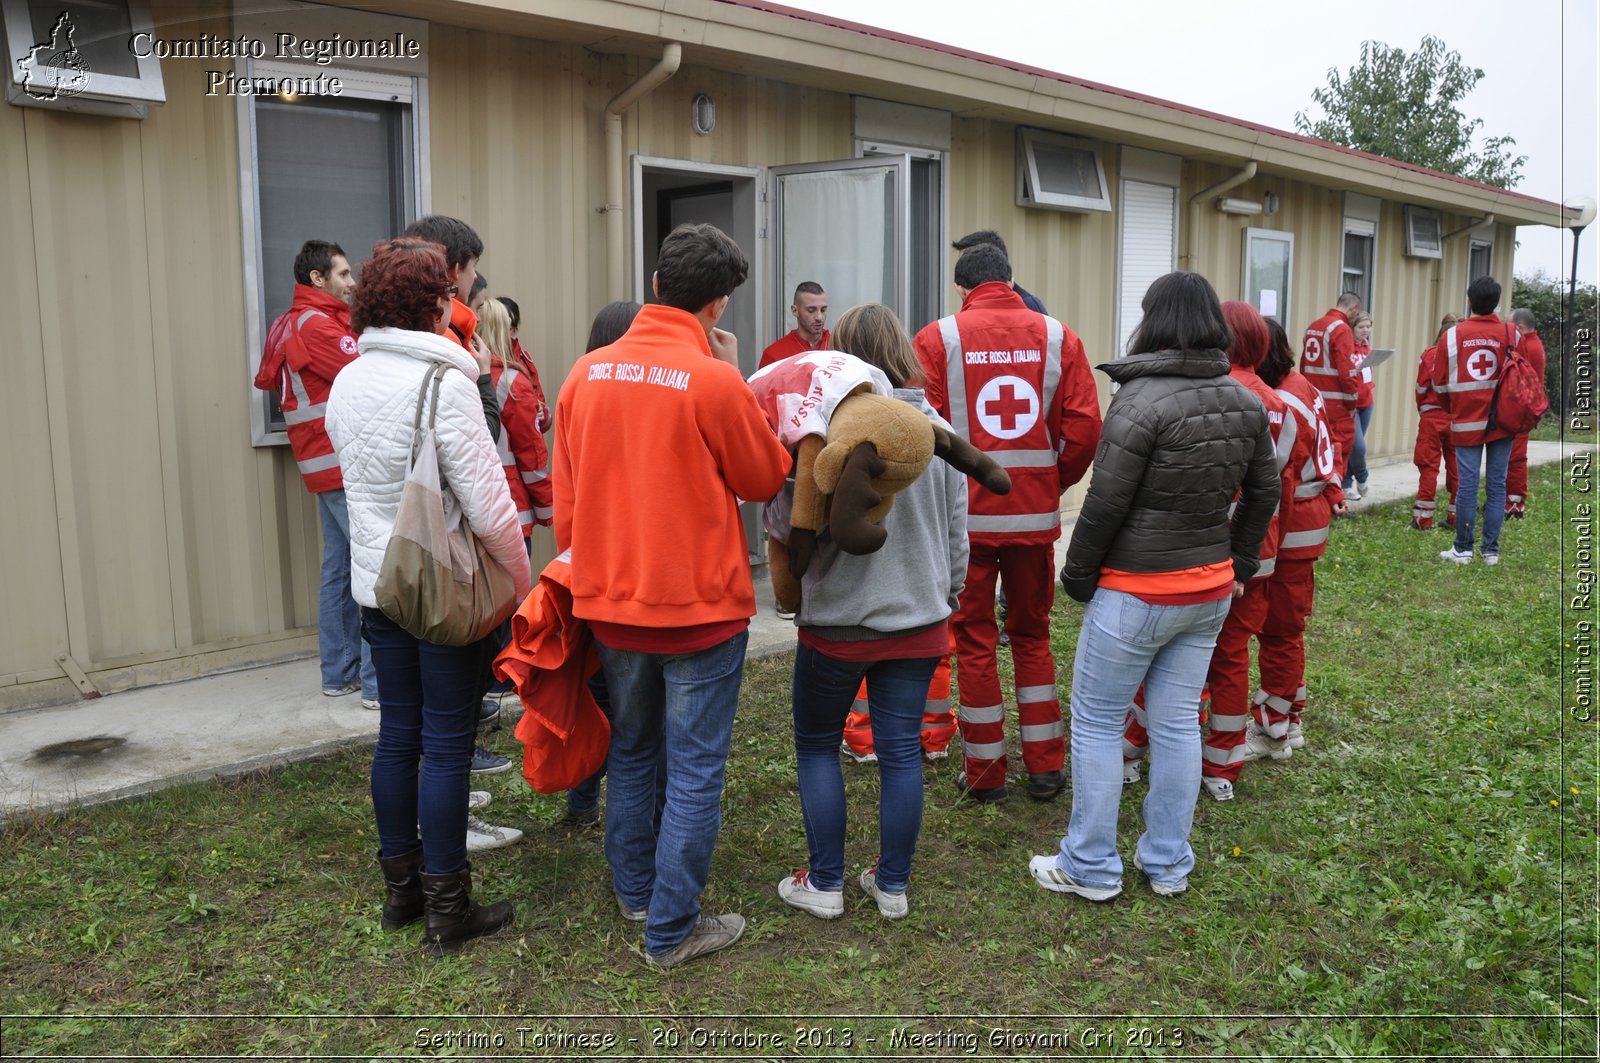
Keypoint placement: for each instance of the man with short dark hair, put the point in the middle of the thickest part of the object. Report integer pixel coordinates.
(1467, 364)
(810, 332)
(316, 343)
(994, 239)
(1327, 358)
(1017, 385)
(657, 439)
(1531, 348)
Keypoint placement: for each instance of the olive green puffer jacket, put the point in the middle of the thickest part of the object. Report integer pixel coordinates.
(1180, 441)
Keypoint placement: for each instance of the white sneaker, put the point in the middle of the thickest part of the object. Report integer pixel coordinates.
(890, 905)
(1047, 874)
(481, 835)
(797, 892)
(785, 614)
(859, 758)
(1491, 559)
(1161, 889)
(478, 799)
(1221, 789)
(1296, 738)
(1460, 557)
(1130, 772)
(1260, 746)
(1352, 493)
(371, 704)
(931, 755)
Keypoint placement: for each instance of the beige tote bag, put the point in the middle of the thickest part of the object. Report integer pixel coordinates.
(437, 581)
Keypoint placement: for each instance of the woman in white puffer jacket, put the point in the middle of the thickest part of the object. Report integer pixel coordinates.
(429, 693)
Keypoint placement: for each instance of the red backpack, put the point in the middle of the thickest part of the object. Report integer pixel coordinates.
(1519, 402)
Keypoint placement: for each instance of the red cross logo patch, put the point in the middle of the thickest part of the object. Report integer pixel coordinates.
(1481, 364)
(1008, 407)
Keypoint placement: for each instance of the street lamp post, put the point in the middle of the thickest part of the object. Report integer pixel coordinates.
(1583, 209)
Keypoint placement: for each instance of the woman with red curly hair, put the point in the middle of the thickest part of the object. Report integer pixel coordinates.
(429, 693)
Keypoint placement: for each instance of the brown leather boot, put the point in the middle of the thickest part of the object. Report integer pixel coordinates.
(402, 905)
(452, 918)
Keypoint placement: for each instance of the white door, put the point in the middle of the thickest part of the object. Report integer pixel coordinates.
(847, 226)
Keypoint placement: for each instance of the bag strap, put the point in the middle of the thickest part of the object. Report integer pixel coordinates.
(434, 377)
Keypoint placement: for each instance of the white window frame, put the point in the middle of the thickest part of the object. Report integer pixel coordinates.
(1416, 246)
(358, 84)
(105, 93)
(867, 148)
(1369, 232)
(1028, 190)
(1285, 300)
(1485, 244)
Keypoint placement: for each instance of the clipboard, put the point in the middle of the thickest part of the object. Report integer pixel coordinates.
(1377, 357)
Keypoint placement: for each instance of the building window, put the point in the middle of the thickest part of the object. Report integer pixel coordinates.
(926, 264)
(83, 55)
(1480, 260)
(1268, 266)
(1355, 273)
(342, 168)
(1059, 172)
(1422, 233)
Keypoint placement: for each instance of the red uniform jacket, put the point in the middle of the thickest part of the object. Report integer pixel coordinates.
(1017, 385)
(1467, 364)
(1427, 398)
(791, 345)
(1285, 432)
(1364, 388)
(547, 416)
(1312, 472)
(550, 658)
(318, 345)
(523, 452)
(1327, 358)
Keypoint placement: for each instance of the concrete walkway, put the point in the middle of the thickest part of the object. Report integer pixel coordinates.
(137, 741)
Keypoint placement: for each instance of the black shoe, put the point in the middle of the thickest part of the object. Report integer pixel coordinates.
(991, 796)
(402, 904)
(489, 710)
(452, 918)
(582, 817)
(1043, 785)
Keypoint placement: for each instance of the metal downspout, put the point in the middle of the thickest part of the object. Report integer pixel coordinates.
(616, 237)
(1217, 189)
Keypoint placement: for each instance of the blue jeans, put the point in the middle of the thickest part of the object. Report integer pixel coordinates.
(897, 692)
(679, 706)
(1497, 455)
(1125, 642)
(1357, 472)
(429, 714)
(344, 655)
(586, 795)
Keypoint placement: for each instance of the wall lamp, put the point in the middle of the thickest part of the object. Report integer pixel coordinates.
(1236, 205)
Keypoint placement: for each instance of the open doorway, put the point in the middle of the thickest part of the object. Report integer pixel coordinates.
(671, 192)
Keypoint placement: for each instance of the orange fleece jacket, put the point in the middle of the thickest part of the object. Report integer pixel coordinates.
(656, 440)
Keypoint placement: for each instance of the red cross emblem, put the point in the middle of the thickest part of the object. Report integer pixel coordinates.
(1007, 407)
(1481, 364)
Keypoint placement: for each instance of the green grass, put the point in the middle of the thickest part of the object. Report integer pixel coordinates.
(1424, 857)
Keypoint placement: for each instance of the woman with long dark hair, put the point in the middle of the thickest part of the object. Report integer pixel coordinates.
(1157, 559)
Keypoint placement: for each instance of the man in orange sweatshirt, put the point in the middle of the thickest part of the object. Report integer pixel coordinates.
(657, 439)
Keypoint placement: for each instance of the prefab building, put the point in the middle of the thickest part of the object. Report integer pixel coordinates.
(159, 169)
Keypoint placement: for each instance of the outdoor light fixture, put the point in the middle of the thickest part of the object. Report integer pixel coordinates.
(1235, 205)
(704, 112)
(1270, 201)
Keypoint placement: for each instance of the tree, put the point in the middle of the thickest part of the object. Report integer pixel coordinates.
(1404, 107)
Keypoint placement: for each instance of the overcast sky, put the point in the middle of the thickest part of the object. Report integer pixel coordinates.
(1261, 59)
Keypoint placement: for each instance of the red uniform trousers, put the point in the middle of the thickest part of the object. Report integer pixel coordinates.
(1136, 740)
(1029, 574)
(1222, 755)
(1516, 476)
(1433, 443)
(938, 719)
(1282, 695)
